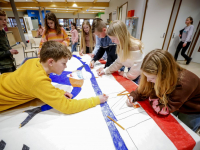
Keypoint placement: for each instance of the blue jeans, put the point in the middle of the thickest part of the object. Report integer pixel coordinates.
(135, 80)
(191, 120)
(74, 47)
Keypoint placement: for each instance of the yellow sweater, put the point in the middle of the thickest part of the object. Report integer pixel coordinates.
(31, 81)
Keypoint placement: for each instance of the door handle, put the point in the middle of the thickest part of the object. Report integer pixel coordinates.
(163, 35)
(173, 35)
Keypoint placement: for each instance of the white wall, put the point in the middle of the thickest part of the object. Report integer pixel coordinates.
(137, 5)
(104, 17)
(20, 13)
(155, 25)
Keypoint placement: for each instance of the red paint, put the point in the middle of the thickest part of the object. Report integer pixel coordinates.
(102, 61)
(168, 124)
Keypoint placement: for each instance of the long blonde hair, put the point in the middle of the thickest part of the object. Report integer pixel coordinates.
(161, 63)
(118, 29)
(83, 44)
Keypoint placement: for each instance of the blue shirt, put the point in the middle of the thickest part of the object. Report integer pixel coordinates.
(97, 46)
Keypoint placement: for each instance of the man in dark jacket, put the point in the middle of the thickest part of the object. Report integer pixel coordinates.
(6, 52)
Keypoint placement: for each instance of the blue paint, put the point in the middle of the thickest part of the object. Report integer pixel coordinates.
(61, 79)
(75, 91)
(106, 111)
(46, 107)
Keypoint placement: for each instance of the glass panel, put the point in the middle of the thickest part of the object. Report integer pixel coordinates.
(91, 21)
(61, 22)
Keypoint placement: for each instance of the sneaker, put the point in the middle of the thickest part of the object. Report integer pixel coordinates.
(188, 61)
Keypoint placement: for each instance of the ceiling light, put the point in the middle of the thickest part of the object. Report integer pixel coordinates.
(54, 8)
(74, 5)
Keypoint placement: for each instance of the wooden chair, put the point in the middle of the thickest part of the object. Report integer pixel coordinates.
(33, 44)
(28, 51)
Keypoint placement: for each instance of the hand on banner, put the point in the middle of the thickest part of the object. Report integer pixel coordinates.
(92, 64)
(103, 98)
(100, 71)
(68, 95)
(129, 101)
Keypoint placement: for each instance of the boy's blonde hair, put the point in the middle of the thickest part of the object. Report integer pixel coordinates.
(119, 30)
(83, 44)
(55, 50)
(98, 25)
(161, 63)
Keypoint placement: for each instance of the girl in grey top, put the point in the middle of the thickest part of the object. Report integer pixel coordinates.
(186, 40)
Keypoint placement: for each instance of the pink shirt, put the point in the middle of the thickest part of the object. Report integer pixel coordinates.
(40, 31)
(74, 33)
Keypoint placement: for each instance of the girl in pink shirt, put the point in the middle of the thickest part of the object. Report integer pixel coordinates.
(74, 39)
(87, 39)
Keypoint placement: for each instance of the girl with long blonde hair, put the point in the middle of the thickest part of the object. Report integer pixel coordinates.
(87, 39)
(169, 87)
(129, 51)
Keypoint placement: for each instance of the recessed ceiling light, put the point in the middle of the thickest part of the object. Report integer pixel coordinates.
(74, 5)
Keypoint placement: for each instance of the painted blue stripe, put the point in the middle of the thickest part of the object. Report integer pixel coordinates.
(106, 111)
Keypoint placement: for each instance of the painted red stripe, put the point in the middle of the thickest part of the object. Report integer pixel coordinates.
(168, 124)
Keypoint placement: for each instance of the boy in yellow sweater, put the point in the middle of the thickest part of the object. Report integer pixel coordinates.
(32, 81)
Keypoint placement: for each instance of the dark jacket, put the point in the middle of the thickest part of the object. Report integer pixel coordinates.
(6, 58)
(110, 48)
(186, 96)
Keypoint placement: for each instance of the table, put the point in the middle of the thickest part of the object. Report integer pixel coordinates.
(91, 129)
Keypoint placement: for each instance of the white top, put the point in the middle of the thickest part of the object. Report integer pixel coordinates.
(134, 63)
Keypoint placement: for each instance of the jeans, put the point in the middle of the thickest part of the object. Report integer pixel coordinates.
(74, 47)
(191, 120)
(135, 80)
(184, 49)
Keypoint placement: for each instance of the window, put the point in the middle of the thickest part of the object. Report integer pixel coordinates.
(82, 20)
(66, 23)
(13, 23)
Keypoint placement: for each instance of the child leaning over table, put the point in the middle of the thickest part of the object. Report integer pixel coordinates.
(32, 81)
(129, 52)
(170, 88)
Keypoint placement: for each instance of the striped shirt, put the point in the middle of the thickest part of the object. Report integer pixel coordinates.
(52, 36)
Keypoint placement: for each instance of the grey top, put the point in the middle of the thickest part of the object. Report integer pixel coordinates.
(187, 34)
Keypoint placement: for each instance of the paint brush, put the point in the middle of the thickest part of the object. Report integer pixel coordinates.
(116, 122)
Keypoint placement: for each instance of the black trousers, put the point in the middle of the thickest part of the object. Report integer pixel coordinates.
(7, 70)
(184, 49)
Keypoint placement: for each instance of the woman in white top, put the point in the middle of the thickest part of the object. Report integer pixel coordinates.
(186, 38)
(129, 51)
